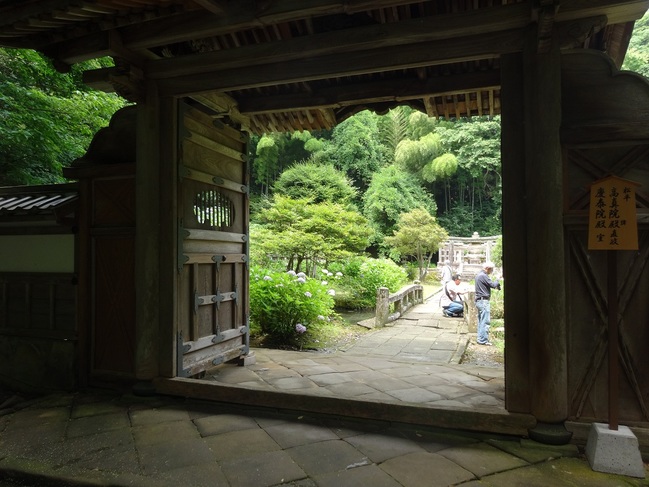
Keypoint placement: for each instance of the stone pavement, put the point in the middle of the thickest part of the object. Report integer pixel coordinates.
(311, 431)
(407, 372)
(103, 439)
(414, 361)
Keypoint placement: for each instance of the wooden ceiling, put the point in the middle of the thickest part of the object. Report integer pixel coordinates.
(284, 65)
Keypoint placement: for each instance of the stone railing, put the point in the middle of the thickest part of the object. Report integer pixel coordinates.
(403, 299)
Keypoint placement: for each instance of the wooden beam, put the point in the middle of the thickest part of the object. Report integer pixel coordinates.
(546, 19)
(438, 28)
(193, 26)
(355, 63)
(218, 7)
(617, 11)
(186, 26)
(367, 92)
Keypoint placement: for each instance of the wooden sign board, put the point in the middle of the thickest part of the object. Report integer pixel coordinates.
(612, 223)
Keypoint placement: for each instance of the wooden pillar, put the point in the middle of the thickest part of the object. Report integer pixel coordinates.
(168, 236)
(545, 249)
(147, 248)
(517, 366)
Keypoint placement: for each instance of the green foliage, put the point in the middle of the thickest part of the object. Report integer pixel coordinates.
(376, 273)
(476, 182)
(637, 56)
(462, 220)
(47, 119)
(476, 143)
(391, 193)
(417, 235)
(420, 125)
(497, 306)
(393, 128)
(356, 281)
(272, 154)
(318, 183)
(355, 148)
(303, 234)
(425, 157)
(497, 252)
(280, 301)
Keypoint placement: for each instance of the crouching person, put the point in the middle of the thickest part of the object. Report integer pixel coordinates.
(451, 300)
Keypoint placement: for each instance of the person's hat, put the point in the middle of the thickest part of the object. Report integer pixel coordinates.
(488, 265)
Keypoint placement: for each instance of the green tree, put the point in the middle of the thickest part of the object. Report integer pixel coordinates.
(355, 148)
(637, 56)
(418, 235)
(319, 183)
(305, 235)
(420, 125)
(476, 187)
(391, 193)
(393, 128)
(47, 119)
(271, 154)
(426, 158)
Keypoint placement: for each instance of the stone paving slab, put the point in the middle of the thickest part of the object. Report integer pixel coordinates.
(106, 439)
(220, 444)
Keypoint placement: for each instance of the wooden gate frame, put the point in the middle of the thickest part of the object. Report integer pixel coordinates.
(577, 98)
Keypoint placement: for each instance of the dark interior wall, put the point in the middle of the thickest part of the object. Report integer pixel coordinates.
(38, 336)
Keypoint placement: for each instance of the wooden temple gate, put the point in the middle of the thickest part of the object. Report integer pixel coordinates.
(212, 243)
(203, 73)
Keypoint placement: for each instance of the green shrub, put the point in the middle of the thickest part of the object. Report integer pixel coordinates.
(357, 289)
(285, 305)
(498, 302)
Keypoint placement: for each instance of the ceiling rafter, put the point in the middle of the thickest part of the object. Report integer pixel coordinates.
(364, 92)
(309, 64)
(349, 64)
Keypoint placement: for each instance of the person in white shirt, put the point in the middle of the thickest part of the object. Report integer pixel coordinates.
(446, 274)
(451, 300)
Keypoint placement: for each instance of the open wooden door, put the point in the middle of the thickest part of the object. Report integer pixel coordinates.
(212, 242)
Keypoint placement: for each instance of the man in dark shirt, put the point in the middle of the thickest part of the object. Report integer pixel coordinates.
(483, 287)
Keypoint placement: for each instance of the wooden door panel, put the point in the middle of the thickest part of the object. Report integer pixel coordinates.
(587, 333)
(213, 245)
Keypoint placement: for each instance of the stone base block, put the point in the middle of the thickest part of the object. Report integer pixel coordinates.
(614, 451)
(248, 359)
(550, 433)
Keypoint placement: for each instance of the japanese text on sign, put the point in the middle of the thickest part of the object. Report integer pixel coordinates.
(612, 224)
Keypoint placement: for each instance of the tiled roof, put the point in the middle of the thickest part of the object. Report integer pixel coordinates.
(35, 200)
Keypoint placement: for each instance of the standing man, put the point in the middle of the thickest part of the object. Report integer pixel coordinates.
(483, 287)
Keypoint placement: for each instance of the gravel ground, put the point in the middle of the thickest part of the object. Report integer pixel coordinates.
(483, 355)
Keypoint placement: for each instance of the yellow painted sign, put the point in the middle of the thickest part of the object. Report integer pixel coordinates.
(612, 223)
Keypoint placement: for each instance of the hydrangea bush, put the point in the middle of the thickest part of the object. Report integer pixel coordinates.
(285, 304)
